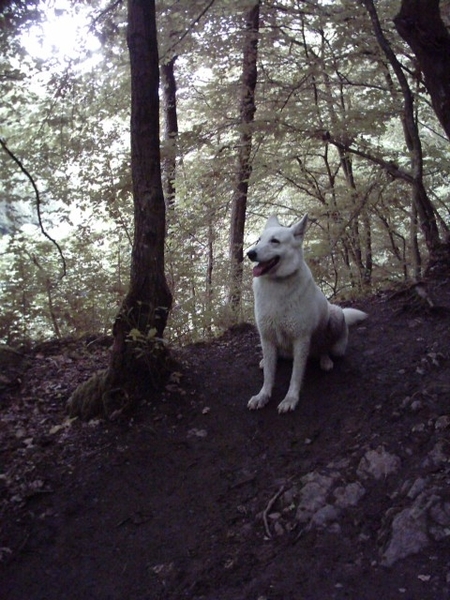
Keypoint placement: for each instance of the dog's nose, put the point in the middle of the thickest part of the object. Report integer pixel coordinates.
(252, 255)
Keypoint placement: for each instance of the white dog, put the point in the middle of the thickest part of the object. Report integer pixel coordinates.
(294, 318)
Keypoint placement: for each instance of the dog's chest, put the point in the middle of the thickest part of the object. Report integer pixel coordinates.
(281, 312)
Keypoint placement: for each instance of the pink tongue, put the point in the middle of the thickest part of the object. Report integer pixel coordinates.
(258, 270)
(263, 267)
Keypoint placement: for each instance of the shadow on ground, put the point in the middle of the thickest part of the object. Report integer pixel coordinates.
(196, 497)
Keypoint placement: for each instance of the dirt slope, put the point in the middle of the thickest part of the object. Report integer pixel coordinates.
(196, 497)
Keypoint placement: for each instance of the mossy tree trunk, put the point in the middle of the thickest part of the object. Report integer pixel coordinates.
(138, 356)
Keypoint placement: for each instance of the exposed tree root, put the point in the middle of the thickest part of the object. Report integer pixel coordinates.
(96, 397)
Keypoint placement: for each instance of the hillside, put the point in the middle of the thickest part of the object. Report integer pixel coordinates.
(197, 497)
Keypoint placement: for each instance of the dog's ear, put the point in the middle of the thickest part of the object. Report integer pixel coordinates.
(272, 221)
(299, 228)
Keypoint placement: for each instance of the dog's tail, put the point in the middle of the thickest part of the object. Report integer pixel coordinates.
(353, 316)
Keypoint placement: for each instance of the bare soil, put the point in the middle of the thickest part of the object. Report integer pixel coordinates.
(196, 497)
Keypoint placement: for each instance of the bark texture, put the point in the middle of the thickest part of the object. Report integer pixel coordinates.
(149, 300)
(247, 113)
(138, 356)
(420, 24)
(169, 90)
(423, 204)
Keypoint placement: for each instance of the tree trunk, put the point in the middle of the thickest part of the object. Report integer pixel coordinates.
(368, 255)
(416, 259)
(420, 24)
(247, 111)
(209, 291)
(138, 353)
(420, 198)
(169, 90)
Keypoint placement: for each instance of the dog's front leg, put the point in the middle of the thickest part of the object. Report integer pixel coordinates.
(270, 367)
(301, 351)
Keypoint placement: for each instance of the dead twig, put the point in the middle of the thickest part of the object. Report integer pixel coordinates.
(269, 508)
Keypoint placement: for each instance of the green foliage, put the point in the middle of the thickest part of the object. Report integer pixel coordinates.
(37, 302)
(322, 79)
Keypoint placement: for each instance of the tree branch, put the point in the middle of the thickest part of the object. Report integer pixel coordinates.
(193, 23)
(389, 167)
(104, 12)
(38, 202)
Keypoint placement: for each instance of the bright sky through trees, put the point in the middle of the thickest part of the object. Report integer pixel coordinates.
(64, 37)
(329, 140)
(62, 33)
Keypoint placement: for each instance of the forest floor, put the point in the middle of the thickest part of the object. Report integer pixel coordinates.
(196, 497)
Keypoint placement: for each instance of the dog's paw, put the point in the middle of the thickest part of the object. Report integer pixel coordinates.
(288, 404)
(258, 401)
(326, 364)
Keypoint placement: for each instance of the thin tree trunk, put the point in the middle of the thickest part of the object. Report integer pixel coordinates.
(48, 286)
(410, 140)
(247, 111)
(209, 276)
(352, 236)
(420, 198)
(415, 251)
(368, 256)
(169, 90)
(398, 252)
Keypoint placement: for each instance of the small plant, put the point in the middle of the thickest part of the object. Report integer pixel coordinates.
(146, 344)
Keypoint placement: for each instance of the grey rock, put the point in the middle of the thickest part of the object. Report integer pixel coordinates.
(442, 422)
(325, 516)
(313, 494)
(409, 536)
(417, 488)
(378, 463)
(349, 495)
(440, 513)
(437, 456)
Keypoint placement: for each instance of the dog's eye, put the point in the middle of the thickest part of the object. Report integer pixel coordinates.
(275, 241)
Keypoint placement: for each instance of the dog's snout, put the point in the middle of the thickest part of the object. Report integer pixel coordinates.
(252, 255)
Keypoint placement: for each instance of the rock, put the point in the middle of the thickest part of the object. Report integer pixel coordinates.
(437, 456)
(442, 422)
(417, 487)
(199, 433)
(416, 405)
(409, 536)
(378, 463)
(440, 515)
(409, 527)
(278, 527)
(349, 495)
(313, 494)
(325, 516)
(314, 506)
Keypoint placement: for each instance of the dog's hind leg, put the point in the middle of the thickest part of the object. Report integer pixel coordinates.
(301, 350)
(340, 346)
(269, 365)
